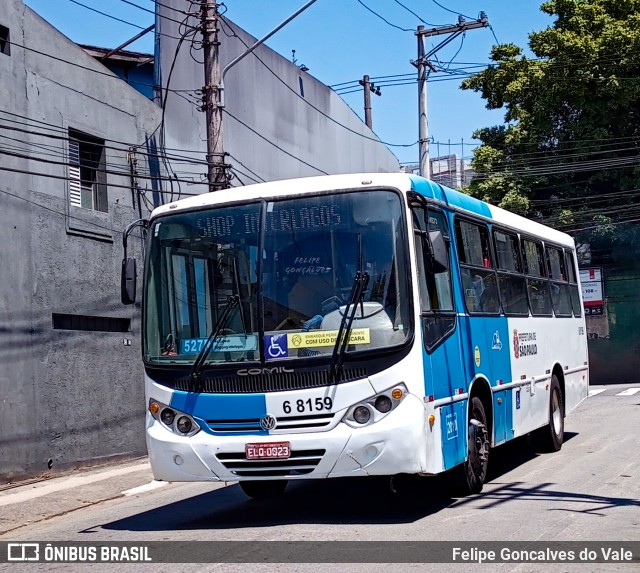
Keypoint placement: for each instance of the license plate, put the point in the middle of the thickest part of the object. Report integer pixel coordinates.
(268, 451)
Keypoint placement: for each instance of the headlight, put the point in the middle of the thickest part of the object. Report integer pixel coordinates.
(361, 414)
(375, 408)
(167, 416)
(173, 420)
(383, 404)
(184, 424)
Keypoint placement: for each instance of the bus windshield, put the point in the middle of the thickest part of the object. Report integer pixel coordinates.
(291, 265)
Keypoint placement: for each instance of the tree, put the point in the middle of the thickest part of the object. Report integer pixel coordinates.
(568, 152)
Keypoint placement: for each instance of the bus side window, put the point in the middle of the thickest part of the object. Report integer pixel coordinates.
(537, 282)
(479, 280)
(574, 290)
(559, 286)
(511, 281)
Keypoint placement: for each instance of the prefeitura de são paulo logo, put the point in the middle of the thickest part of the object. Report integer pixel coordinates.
(516, 343)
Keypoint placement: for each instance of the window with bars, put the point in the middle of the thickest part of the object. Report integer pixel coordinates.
(87, 172)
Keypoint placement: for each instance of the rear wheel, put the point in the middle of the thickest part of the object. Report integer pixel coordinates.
(263, 489)
(552, 435)
(474, 469)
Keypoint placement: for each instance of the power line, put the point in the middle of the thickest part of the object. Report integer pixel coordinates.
(154, 12)
(66, 163)
(63, 136)
(529, 162)
(66, 178)
(599, 225)
(108, 15)
(416, 15)
(584, 166)
(165, 97)
(452, 11)
(274, 144)
(383, 18)
(51, 56)
(112, 17)
(600, 197)
(125, 145)
(494, 35)
(250, 171)
(92, 223)
(313, 106)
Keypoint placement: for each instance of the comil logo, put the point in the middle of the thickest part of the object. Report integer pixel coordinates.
(516, 344)
(23, 551)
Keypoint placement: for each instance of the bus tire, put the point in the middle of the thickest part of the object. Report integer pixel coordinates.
(261, 490)
(552, 435)
(474, 469)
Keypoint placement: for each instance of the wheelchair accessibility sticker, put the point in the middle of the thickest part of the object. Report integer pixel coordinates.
(275, 346)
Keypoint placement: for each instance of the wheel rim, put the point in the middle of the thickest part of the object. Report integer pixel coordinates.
(556, 414)
(478, 446)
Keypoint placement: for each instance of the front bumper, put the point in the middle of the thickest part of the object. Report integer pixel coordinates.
(396, 444)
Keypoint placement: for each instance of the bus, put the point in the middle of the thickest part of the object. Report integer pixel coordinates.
(352, 325)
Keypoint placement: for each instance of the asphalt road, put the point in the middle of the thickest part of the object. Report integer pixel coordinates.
(589, 491)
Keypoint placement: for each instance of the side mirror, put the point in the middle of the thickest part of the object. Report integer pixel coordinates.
(128, 281)
(439, 258)
(128, 273)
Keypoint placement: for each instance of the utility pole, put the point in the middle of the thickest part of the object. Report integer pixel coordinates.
(422, 63)
(423, 124)
(216, 167)
(368, 89)
(213, 90)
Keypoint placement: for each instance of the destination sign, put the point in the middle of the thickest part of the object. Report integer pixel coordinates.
(277, 220)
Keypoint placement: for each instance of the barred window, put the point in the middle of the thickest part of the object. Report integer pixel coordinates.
(87, 172)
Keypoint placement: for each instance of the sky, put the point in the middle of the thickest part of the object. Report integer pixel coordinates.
(342, 40)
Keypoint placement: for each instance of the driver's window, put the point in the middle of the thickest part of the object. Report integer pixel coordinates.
(435, 288)
(434, 282)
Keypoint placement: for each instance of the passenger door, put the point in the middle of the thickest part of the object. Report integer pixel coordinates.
(442, 353)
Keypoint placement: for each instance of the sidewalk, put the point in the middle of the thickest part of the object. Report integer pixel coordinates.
(35, 501)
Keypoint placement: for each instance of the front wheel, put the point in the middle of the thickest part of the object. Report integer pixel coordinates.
(261, 490)
(474, 469)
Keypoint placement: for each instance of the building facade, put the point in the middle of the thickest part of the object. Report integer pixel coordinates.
(69, 351)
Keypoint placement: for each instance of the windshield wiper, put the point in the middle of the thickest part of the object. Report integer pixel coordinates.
(356, 297)
(201, 359)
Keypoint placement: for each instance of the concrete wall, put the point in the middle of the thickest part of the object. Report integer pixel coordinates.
(66, 396)
(271, 130)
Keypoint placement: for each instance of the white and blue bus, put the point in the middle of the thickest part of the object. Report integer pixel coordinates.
(352, 325)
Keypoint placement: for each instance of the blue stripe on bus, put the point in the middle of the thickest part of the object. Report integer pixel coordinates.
(454, 433)
(479, 347)
(234, 408)
(436, 191)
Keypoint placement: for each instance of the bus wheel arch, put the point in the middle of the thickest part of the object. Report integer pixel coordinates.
(550, 437)
(479, 428)
(480, 388)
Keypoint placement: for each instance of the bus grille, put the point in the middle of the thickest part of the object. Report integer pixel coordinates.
(284, 424)
(300, 463)
(275, 382)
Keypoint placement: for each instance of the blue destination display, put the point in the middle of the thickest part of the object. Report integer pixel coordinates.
(236, 343)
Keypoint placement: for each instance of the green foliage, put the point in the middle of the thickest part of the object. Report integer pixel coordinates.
(568, 149)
